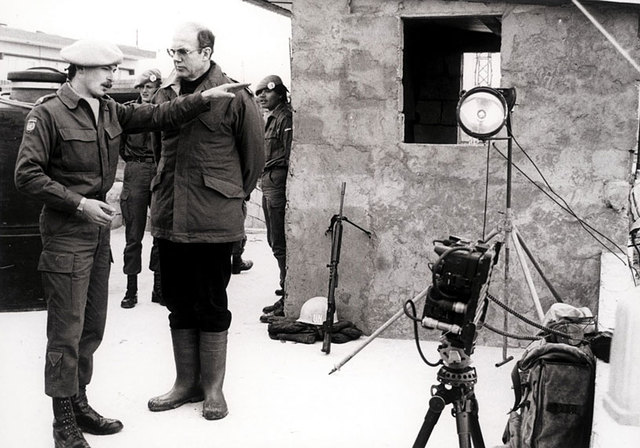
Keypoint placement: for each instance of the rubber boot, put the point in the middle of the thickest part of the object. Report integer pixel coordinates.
(131, 296)
(213, 362)
(186, 388)
(66, 433)
(89, 420)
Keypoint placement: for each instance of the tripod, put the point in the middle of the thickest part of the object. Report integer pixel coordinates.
(456, 387)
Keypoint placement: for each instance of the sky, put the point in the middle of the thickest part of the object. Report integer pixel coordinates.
(251, 42)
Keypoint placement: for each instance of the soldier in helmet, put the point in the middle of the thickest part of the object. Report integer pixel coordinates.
(137, 152)
(68, 159)
(272, 96)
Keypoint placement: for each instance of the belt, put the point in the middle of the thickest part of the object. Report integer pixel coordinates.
(140, 159)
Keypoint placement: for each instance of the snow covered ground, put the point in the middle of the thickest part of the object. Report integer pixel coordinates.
(279, 394)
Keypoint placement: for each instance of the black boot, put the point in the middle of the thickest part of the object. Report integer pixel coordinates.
(156, 294)
(278, 306)
(131, 296)
(89, 420)
(186, 388)
(66, 433)
(238, 265)
(213, 362)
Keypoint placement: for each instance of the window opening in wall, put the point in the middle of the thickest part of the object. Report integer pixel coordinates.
(442, 57)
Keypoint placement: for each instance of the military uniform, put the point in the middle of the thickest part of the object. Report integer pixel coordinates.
(135, 198)
(278, 138)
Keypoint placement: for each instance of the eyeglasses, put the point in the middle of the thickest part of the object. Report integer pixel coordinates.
(182, 52)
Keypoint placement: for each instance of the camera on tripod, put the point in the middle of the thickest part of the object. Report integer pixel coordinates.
(456, 302)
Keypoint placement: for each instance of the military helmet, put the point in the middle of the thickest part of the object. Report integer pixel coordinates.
(314, 311)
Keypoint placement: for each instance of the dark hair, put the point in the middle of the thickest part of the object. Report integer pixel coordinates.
(71, 71)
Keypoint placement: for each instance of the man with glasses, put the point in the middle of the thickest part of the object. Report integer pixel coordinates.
(207, 168)
(68, 159)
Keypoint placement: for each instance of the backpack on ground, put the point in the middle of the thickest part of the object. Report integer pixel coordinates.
(553, 384)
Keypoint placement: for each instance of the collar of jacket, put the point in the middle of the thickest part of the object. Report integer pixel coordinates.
(279, 109)
(213, 79)
(70, 97)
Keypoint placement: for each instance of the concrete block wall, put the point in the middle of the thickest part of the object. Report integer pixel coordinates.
(576, 116)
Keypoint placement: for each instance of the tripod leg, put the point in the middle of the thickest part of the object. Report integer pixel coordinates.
(527, 274)
(467, 423)
(476, 432)
(436, 405)
(463, 425)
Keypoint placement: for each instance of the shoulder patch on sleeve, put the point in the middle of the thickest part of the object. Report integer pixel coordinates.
(31, 125)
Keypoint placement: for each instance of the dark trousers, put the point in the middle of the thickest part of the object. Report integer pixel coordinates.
(75, 264)
(274, 202)
(135, 200)
(194, 284)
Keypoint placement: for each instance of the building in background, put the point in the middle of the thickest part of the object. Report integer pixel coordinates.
(21, 50)
(375, 87)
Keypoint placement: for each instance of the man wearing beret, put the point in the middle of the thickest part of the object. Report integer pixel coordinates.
(272, 96)
(68, 159)
(136, 150)
(206, 170)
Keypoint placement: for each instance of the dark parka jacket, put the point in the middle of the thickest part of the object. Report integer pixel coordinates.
(207, 167)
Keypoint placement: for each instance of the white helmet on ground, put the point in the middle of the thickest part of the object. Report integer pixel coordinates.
(314, 311)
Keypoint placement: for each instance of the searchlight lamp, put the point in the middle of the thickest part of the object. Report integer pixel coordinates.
(483, 111)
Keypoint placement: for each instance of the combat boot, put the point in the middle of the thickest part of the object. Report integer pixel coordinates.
(89, 420)
(66, 433)
(238, 264)
(186, 388)
(278, 306)
(131, 296)
(213, 362)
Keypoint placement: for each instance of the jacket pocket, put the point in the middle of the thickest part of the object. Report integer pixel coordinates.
(114, 130)
(79, 150)
(55, 262)
(227, 189)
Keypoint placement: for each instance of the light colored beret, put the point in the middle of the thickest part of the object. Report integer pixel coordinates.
(269, 83)
(151, 75)
(92, 53)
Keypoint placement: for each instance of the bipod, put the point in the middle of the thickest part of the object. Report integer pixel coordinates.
(456, 387)
(335, 218)
(335, 228)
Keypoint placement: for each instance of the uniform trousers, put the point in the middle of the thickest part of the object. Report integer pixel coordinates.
(135, 200)
(274, 202)
(75, 264)
(194, 284)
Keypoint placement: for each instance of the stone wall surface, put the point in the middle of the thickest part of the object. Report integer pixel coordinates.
(576, 117)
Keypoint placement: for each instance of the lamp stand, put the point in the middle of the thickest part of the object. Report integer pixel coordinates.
(511, 235)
